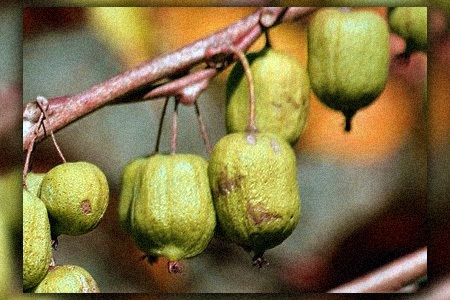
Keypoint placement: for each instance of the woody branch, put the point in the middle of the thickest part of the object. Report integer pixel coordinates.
(140, 83)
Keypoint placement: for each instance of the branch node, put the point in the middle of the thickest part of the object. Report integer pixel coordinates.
(270, 16)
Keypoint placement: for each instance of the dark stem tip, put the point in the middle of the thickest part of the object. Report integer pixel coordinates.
(348, 119)
(260, 261)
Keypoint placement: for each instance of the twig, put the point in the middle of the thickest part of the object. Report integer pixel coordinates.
(140, 81)
(391, 277)
(203, 130)
(174, 127)
(251, 88)
(161, 122)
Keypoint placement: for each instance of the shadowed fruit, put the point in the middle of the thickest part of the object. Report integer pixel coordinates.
(255, 190)
(411, 24)
(76, 195)
(37, 251)
(6, 265)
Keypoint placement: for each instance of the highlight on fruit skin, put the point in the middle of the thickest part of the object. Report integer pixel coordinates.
(348, 58)
(67, 279)
(282, 93)
(76, 195)
(37, 251)
(171, 214)
(255, 190)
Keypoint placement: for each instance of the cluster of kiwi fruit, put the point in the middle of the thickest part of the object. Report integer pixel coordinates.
(172, 205)
(70, 199)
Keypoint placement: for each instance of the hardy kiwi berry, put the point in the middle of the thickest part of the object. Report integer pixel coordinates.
(67, 279)
(76, 195)
(171, 213)
(281, 86)
(411, 24)
(348, 58)
(37, 251)
(255, 190)
(6, 266)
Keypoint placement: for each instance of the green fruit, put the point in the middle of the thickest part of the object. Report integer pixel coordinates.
(67, 279)
(76, 195)
(34, 181)
(172, 213)
(11, 193)
(281, 91)
(129, 178)
(37, 251)
(6, 265)
(255, 190)
(411, 24)
(348, 58)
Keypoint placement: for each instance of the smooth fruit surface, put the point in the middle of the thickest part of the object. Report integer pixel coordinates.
(172, 213)
(411, 24)
(76, 195)
(348, 58)
(6, 265)
(281, 92)
(37, 250)
(67, 279)
(129, 179)
(255, 190)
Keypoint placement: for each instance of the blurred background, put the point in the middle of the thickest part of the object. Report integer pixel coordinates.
(364, 194)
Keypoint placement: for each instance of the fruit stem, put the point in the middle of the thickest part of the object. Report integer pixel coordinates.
(268, 44)
(243, 59)
(203, 130)
(174, 127)
(161, 121)
(348, 119)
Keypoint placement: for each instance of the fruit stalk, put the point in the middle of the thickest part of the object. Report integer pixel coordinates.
(251, 87)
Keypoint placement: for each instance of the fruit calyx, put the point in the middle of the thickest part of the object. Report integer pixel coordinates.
(260, 261)
(174, 267)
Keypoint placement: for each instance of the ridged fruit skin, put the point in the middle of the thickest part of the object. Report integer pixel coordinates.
(128, 186)
(348, 58)
(6, 265)
(172, 213)
(37, 251)
(411, 24)
(76, 195)
(281, 91)
(255, 189)
(67, 279)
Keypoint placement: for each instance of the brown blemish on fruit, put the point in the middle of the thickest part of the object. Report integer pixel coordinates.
(259, 214)
(228, 184)
(86, 207)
